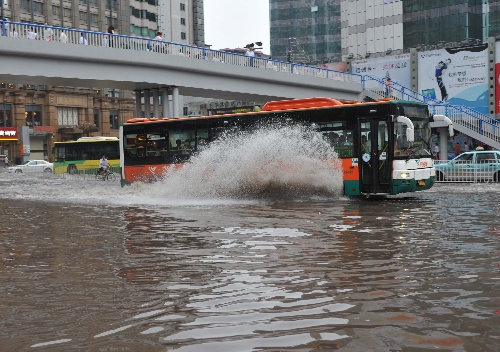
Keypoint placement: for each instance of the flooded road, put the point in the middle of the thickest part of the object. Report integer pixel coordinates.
(91, 266)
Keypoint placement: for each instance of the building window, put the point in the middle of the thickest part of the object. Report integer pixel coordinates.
(37, 8)
(83, 17)
(56, 11)
(67, 13)
(96, 118)
(183, 21)
(6, 115)
(183, 35)
(93, 18)
(183, 7)
(67, 116)
(185, 110)
(25, 5)
(33, 114)
(114, 120)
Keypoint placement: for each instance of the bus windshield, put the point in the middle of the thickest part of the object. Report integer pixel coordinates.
(419, 148)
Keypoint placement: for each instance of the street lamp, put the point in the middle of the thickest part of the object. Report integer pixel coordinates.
(252, 45)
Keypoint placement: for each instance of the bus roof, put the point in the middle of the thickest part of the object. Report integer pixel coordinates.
(276, 106)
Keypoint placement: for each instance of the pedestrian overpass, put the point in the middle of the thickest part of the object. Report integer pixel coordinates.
(154, 68)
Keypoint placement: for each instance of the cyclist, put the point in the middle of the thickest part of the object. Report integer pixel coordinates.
(103, 165)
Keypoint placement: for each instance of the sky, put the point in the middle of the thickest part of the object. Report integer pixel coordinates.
(236, 23)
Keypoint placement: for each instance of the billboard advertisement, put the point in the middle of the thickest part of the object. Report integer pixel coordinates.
(396, 67)
(456, 76)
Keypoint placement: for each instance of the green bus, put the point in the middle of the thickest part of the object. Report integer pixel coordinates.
(83, 155)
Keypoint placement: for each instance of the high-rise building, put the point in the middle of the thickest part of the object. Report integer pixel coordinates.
(321, 29)
(306, 29)
(371, 27)
(92, 15)
(181, 21)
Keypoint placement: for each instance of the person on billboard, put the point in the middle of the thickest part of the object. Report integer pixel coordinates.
(440, 67)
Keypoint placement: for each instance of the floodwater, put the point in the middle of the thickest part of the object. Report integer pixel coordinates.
(89, 266)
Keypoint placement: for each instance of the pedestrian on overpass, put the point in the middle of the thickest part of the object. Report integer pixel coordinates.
(158, 42)
(111, 31)
(83, 40)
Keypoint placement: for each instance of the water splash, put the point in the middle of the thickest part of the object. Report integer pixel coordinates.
(274, 160)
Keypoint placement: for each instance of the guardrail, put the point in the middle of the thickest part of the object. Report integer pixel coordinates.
(30, 31)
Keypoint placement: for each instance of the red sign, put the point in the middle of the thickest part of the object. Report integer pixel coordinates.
(8, 134)
(43, 129)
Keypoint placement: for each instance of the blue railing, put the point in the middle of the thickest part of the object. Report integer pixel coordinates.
(82, 37)
(460, 115)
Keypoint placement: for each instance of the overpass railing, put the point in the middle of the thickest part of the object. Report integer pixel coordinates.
(30, 31)
(481, 124)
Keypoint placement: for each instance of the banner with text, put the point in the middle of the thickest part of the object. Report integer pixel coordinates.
(396, 67)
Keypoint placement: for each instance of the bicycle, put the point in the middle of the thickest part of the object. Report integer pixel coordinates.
(105, 175)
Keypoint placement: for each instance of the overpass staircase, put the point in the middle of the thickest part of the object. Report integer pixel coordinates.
(480, 127)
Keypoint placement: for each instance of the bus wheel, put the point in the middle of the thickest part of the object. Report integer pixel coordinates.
(72, 169)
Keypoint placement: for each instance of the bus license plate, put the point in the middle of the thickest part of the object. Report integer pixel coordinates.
(421, 183)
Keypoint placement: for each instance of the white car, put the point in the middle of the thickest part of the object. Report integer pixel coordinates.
(32, 166)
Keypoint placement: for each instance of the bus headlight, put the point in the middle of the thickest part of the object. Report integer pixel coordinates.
(405, 175)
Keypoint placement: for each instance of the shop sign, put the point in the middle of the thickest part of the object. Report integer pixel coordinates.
(8, 134)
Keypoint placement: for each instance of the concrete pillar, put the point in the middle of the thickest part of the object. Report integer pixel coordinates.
(443, 143)
(164, 102)
(156, 103)
(175, 101)
(147, 104)
(138, 103)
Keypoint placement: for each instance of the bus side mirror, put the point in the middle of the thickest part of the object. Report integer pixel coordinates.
(410, 134)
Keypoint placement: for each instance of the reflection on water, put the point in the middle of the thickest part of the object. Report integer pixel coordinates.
(93, 267)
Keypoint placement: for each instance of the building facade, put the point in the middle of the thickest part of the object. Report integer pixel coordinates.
(92, 15)
(180, 21)
(33, 118)
(371, 26)
(320, 30)
(305, 30)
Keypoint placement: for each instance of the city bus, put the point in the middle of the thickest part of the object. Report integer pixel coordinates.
(83, 155)
(383, 145)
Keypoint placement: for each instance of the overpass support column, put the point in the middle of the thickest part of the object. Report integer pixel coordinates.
(164, 102)
(147, 104)
(175, 101)
(156, 103)
(138, 103)
(443, 143)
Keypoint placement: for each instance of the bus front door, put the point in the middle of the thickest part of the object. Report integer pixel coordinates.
(374, 160)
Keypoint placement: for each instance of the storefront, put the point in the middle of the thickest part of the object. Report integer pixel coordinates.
(8, 140)
(40, 142)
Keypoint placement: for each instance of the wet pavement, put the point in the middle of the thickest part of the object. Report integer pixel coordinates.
(91, 266)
